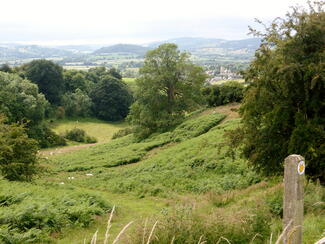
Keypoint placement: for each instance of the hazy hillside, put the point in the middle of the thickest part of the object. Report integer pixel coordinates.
(122, 48)
(195, 43)
(31, 51)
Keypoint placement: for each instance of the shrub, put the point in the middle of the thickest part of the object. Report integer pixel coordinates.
(229, 92)
(122, 132)
(79, 135)
(17, 152)
(37, 211)
(45, 136)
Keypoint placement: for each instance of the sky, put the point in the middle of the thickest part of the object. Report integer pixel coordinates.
(76, 22)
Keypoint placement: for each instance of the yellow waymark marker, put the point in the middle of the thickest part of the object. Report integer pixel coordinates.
(301, 167)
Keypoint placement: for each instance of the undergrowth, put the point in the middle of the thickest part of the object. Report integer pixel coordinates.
(29, 213)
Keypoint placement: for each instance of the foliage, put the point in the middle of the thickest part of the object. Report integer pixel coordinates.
(76, 79)
(79, 135)
(48, 76)
(17, 152)
(45, 136)
(229, 92)
(29, 213)
(283, 109)
(111, 99)
(122, 132)
(168, 86)
(95, 74)
(77, 103)
(6, 68)
(20, 99)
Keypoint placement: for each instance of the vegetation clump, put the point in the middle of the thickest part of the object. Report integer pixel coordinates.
(229, 92)
(79, 135)
(17, 152)
(30, 213)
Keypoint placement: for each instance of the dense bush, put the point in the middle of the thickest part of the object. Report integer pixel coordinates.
(17, 152)
(30, 213)
(79, 135)
(229, 92)
(45, 136)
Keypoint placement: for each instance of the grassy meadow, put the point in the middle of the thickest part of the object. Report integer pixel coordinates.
(183, 178)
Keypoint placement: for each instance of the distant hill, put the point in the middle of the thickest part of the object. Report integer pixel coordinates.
(31, 51)
(195, 43)
(122, 48)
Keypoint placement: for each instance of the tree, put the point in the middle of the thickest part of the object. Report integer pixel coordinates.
(169, 86)
(77, 103)
(6, 68)
(20, 100)
(111, 99)
(284, 109)
(48, 76)
(18, 153)
(76, 79)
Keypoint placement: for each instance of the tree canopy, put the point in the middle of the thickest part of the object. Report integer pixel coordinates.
(111, 99)
(169, 86)
(20, 99)
(283, 111)
(48, 76)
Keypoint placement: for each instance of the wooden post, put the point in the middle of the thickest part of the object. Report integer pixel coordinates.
(293, 200)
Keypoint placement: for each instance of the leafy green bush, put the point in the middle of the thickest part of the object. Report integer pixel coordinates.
(79, 135)
(229, 92)
(17, 152)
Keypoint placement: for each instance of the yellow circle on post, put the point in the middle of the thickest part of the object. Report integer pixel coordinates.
(301, 167)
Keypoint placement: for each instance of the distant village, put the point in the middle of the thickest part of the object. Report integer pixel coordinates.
(223, 75)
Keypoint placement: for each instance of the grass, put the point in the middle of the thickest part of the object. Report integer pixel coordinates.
(182, 178)
(101, 130)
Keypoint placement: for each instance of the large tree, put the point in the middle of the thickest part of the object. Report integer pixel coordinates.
(20, 99)
(169, 86)
(111, 99)
(49, 78)
(284, 109)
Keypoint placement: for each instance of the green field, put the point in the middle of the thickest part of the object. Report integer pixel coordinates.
(183, 177)
(101, 130)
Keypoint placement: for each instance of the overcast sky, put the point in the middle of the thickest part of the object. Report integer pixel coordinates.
(132, 21)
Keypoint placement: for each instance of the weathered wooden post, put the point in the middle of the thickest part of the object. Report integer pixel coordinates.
(293, 200)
